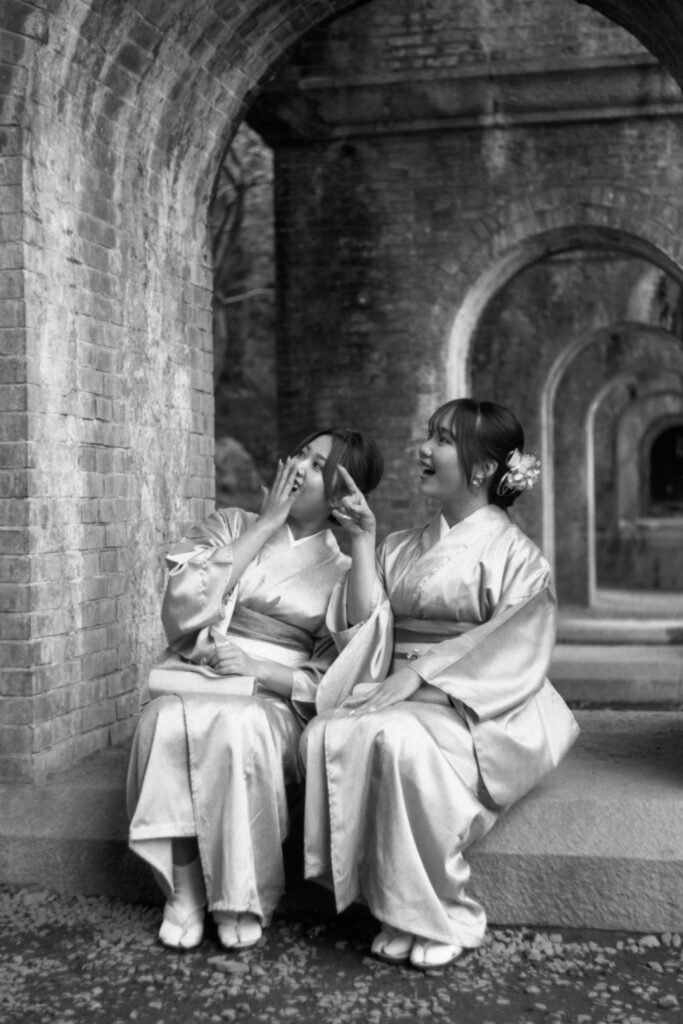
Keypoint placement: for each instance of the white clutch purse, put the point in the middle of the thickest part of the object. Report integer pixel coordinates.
(189, 680)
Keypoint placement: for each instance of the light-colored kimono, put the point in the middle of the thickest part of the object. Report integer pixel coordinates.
(219, 768)
(394, 797)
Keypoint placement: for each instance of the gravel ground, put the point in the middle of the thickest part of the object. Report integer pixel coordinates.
(64, 960)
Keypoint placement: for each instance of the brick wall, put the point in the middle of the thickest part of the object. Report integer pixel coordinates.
(106, 427)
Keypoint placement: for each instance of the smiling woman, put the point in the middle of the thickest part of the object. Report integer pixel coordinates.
(246, 596)
(466, 457)
(407, 772)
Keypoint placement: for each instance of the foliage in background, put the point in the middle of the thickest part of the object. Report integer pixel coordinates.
(244, 319)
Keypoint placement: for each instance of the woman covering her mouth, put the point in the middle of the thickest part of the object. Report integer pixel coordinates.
(246, 597)
(408, 772)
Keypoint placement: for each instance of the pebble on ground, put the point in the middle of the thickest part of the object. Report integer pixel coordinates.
(66, 959)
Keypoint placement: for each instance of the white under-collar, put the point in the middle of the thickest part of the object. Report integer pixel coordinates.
(294, 542)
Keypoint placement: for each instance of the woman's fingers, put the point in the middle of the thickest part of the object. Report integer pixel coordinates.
(280, 477)
(395, 688)
(224, 655)
(350, 483)
(354, 501)
(279, 499)
(371, 703)
(347, 478)
(290, 477)
(286, 479)
(341, 515)
(353, 512)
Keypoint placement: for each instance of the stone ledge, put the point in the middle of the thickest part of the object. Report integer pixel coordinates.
(502, 95)
(598, 844)
(626, 674)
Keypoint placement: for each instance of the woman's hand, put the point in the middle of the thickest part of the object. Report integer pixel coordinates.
(230, 660)
(395, 688)
(278, 500)
(352, 511)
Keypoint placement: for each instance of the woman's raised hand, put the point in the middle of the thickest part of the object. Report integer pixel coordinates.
(352, 510)
(278, 499)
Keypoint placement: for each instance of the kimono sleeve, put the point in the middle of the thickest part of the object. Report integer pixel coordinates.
(365, 649)
(308, 675)
(337, 619)
(501, 663)
(199, 568)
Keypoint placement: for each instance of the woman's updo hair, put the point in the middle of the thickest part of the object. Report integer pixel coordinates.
(483, 432)
(358, 454)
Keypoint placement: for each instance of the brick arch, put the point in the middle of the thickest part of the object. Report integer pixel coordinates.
(182, 75)
(116, 116)
(120, 114)
(523, 232)
(658, 25)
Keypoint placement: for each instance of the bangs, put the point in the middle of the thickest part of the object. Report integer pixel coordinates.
(459, 418)
(445, 419)
(359, 456)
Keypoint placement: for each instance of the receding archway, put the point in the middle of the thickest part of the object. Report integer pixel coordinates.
(472, 362)
(663, 457)
(593, 528)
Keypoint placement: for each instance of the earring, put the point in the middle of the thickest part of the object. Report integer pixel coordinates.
(477, 480)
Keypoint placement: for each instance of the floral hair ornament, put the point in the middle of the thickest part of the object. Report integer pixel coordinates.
(522, 473)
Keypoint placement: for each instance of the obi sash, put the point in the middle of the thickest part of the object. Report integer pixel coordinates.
(259, 635)
(412, 637)
(253, 625)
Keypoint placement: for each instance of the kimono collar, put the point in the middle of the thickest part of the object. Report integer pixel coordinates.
(294, 542)
(487, 517)
(325, 541)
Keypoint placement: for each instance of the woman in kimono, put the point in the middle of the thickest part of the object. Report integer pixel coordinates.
(208, 776)
(406, 773)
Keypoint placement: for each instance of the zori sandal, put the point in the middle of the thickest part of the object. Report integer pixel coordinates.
(430, 956)
(237, 931)
(182, 927)
(392, 946)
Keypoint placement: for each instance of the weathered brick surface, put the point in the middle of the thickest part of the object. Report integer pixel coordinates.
(113, 118)
(112, 122)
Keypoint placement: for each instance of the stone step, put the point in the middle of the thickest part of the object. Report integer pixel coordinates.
(577, 629)
(630, 674)
(598, 844)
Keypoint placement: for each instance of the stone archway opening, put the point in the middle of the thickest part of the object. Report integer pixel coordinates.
(663, 460)
(543, 344)
(636, 552)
